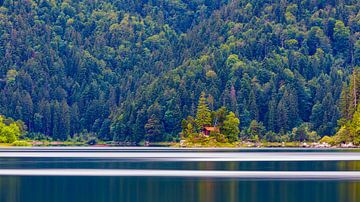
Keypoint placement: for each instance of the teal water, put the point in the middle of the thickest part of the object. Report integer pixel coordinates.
(169, 188)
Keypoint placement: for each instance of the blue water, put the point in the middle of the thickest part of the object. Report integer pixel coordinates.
(43, 175)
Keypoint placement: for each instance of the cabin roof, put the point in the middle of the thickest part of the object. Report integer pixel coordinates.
(209, 128)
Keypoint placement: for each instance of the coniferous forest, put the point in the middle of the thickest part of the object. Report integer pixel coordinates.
(128, 71)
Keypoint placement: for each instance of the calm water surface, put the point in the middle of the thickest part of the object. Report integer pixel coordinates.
(190, 187)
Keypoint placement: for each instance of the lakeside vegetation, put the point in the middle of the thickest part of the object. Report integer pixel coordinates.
(220, 128)
(10, 130)
(129, 72)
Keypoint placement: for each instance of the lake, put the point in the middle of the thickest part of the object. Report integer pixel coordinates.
(166, 174)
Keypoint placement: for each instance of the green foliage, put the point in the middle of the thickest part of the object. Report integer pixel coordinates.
(341, 38)
(328, 140)
(231, 127)
(350, 131)
(303, 133)
(256, 131)
(350, 112)
(203, 114)
(10, 131)
(224, 126)
(154, 129)
(21, 143)
(69, 68)
(11, 75)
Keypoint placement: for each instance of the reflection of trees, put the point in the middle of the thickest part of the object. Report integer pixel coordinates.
(111, 189)
(9, 189)
(349, 191)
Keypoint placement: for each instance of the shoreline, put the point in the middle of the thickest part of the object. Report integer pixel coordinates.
(172, 145)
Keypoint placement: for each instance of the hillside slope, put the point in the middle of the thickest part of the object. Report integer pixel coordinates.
(111, 67)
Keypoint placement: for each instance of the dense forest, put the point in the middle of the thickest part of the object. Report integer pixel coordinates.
(133, 70)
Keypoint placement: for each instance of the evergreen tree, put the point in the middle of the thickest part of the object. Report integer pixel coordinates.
(74, 119)
(344, 104)
(120, 130)
(282, 119)
(219, 116)
(271, 115)
(341, 38)
(256, 130)
(154, 129)
(187, 126)
(253, 107)
(64, 120)
(203, 114)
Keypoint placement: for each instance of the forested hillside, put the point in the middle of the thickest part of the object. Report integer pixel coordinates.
(128, 70)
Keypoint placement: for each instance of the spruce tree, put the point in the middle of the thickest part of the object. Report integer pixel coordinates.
(282, 115)
(271, 114)
(344, 104)
(154, 129)
(203, 114)
(253, 107)
(292, 102)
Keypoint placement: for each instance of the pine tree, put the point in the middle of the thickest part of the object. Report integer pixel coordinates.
(344, 104)
(219, 117)
(253, 107)
(154, 129)
(56, 120)
(187, 126)
(292, 102)
(341, 38)
(203, 114)
(256, 130)
(271, 114)
(330, 115)
(282, 115)
(74, 119)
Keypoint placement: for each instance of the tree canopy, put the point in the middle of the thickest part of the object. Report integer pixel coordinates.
(132, 70)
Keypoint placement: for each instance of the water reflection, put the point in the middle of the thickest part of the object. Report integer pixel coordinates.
(44, 189)
(109, 189)
(30, 163)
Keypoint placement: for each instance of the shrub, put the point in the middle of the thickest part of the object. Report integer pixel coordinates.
(21, 143)
(327, 139)
(92, 141)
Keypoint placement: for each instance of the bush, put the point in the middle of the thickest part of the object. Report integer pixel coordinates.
(328, 140)
(219, 137)
(92, 141)
(21, 143)
(37, 136)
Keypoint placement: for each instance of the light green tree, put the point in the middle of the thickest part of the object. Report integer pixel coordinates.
(9, 133)
(354, 127)
(231, 127)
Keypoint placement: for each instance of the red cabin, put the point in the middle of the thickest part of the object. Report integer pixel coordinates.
(208, 129)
